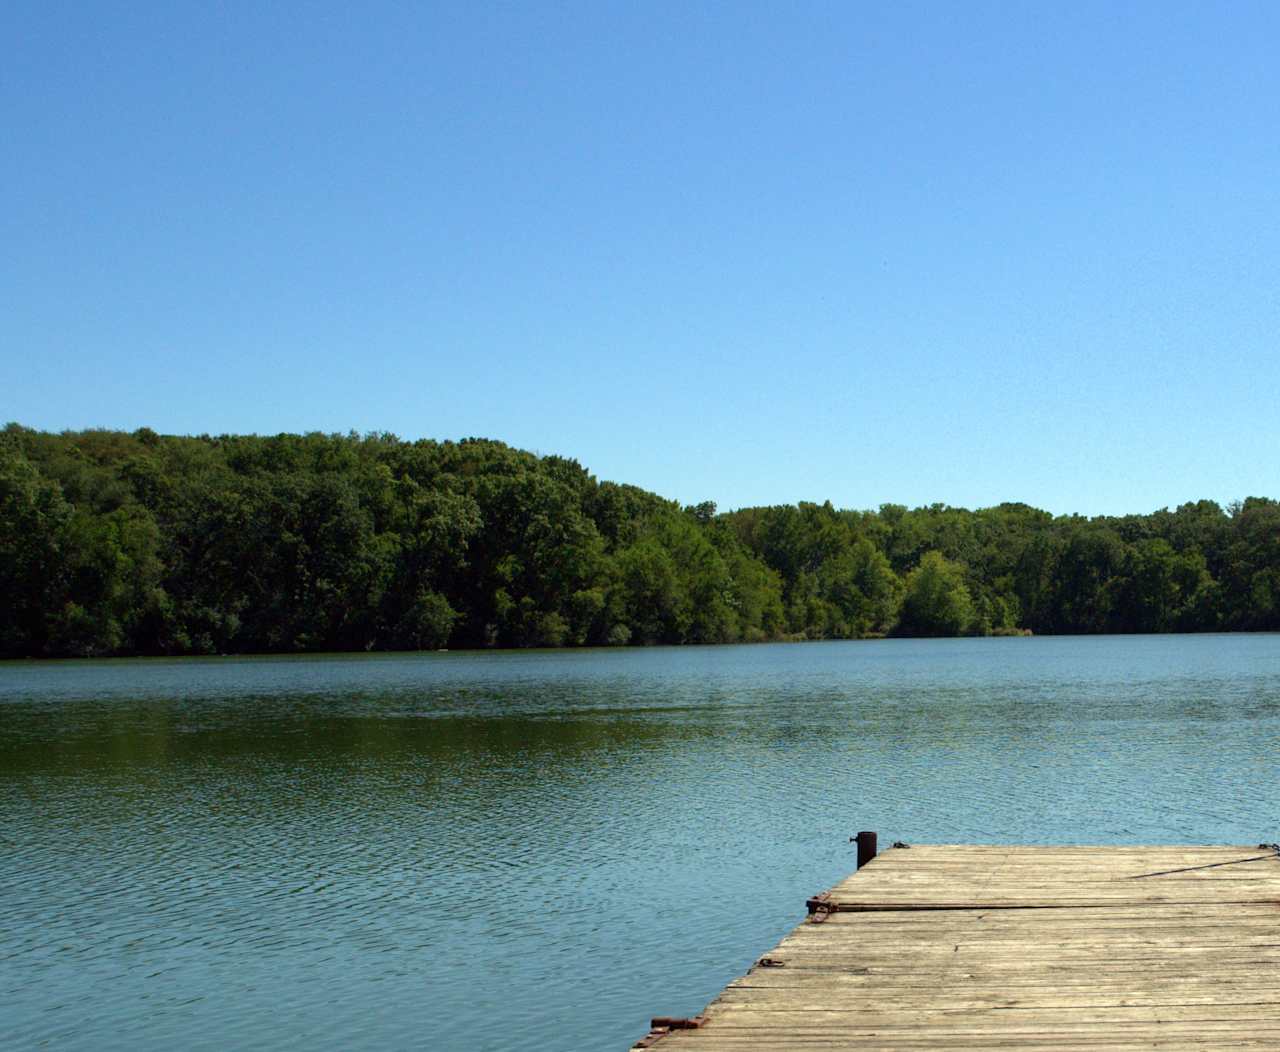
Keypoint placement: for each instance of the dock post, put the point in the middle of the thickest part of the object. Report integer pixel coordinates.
(866, 848)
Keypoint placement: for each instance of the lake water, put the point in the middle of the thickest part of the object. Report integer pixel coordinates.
(543, 849)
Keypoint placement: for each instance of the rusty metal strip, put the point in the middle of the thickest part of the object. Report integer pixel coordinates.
(662, 1025)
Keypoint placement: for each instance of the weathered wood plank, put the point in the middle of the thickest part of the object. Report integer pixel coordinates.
(994, 947)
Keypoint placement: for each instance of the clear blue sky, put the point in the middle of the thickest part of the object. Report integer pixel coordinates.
(754, 254)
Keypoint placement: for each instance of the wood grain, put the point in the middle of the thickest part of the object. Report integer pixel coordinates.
(994, 947)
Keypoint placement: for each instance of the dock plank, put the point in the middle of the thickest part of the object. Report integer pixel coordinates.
(997, 947)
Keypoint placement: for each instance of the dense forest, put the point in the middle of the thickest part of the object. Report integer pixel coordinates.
(137, 543)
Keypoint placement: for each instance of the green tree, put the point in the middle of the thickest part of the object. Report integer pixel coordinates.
(863, 589)
(937, 601)
(34, 522)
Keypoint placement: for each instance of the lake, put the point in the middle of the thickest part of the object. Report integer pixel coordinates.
(544, 849)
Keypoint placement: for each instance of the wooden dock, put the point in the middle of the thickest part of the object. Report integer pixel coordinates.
(972, 947)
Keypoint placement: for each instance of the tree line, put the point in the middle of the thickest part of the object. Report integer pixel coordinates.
(137, 543)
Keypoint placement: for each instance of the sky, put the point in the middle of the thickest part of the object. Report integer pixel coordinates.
(749, 253)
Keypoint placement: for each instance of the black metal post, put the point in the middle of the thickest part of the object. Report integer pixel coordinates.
(866, 848)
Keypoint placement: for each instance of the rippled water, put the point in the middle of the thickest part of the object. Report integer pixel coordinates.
(501, 851)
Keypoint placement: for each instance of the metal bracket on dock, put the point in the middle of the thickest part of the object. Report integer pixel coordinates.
(820, 907)
(662, 1025)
